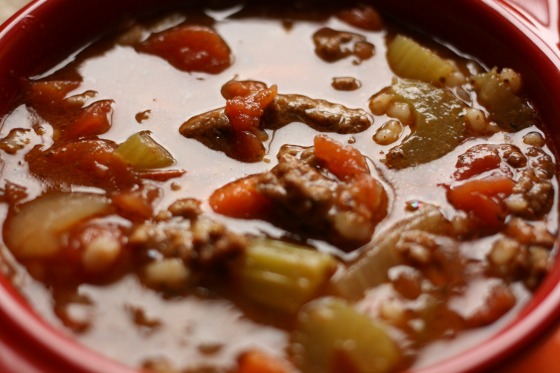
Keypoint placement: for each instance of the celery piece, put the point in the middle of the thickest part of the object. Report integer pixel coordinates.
(281, 275)
(36, 228)
(439, 126)
(506, 108)
(331, 336)
(371, 268)
(410, 60)
(141, 151)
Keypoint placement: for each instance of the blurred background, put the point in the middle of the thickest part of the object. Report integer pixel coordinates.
(8, 7)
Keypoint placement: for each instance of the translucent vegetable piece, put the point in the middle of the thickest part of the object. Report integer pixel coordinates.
(332, 337)
(141, 151)
(371, 269)
(506, 108)
(283, 276)
(34, 229)
(410, 60)
(439, 126)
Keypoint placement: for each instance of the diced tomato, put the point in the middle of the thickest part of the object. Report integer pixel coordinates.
(364, 17)
(138, 204)
(244, 88)
(93, 248)
(49, 92)
(48, 99)
(160, 175)
(498, 299)
(345, 162)
(243, 115)
(245, 112)
(12, 193)
(240, 199)
(260, 362)
(483, 198)
(476, 161)
(190, 48)
(85, 233)
(93, 120)
(86, 162)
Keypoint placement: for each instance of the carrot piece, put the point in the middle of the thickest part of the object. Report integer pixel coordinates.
(483, 198)
(94, 120)
(190, 48)
(260, 362)
(490, 186)
(345, 162)
(240, 199)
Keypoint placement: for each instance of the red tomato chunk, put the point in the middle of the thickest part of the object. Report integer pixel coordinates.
(190, 48)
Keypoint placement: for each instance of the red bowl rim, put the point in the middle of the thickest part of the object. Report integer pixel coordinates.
(42, 347)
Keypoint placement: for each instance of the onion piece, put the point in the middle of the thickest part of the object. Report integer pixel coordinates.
(371, 269)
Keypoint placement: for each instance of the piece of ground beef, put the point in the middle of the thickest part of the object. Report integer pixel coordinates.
(308, 200)
(198, 241)
(215, 130)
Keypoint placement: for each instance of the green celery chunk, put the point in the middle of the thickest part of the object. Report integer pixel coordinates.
(36, 228)
(505, 107)
(281, 275)
(410, 60)
(332, 337)
(439, 124)
(141, 151)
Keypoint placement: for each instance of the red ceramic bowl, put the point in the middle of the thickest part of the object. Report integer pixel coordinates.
(502, 33)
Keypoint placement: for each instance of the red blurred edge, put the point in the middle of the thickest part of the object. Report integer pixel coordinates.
(29, 344)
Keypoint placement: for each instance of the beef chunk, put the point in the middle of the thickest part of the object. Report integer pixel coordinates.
(323, 192)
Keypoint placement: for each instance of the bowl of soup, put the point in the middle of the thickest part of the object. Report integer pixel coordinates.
(284, 187)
